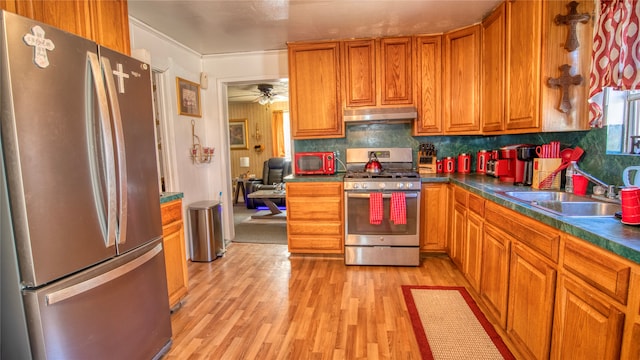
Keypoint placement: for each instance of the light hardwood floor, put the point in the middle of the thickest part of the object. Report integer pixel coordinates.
(257, 302)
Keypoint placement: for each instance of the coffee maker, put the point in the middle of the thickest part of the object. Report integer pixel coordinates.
(507, 168)
(524, 164)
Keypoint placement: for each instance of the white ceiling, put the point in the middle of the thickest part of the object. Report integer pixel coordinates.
(233, 26)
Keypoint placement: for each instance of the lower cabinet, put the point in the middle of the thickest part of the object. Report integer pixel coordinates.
(175, 256)
(494, 274)
(433, 227)
(586, 325)
(532, 285)
(315, 217)
(550, 294)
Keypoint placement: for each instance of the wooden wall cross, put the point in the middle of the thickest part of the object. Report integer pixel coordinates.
(572, 19)
(563, 82)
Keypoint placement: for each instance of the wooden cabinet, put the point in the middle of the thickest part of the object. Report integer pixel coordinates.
(105, 22)
(314, 90)
(378, 72)
(473, 249)
(433, 214)
(466, 242)
(315, 217)
(555, 55)
(493, 55)
(587, 325)
(524, 46)
(428, 81)
(396, 71)
(175, 256)
(462, 81)
(458, 227)
(532, 282)
(494, 275)
(359, 72)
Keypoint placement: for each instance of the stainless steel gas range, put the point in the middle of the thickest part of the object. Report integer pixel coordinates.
(373, 236)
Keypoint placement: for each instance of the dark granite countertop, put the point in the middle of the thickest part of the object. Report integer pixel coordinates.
(607, 233)
(337, 177)
(166, 197)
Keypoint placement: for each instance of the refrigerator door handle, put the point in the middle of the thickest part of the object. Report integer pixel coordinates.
(120, 149)
(107, 143)
(82, 287)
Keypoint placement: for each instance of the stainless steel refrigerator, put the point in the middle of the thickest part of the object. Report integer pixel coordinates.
(82, 263)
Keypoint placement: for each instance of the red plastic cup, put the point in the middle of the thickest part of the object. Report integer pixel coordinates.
(580, 184)
(630, 199)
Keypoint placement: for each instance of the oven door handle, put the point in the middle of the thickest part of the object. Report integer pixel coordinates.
(385, 195)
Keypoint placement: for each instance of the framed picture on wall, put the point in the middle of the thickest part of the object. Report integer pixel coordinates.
(238, 134)
(188, 97)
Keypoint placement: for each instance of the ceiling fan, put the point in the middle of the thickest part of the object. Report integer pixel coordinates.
(266, 94)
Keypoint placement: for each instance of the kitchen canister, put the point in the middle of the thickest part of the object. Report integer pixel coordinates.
(464, 163)
(449, 165)
(482, 158)
(439, 166)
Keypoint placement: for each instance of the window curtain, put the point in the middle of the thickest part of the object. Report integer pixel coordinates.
(616, 52)
(277, 133)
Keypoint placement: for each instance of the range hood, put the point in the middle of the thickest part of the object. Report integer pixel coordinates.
(380, 115)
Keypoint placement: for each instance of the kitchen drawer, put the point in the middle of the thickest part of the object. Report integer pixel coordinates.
(476, 204)
(606, 272)
(171, 211)
(460, 196)
(315, 243)
(315, 209)
(537, 236)
(314, 227)
(314, 189)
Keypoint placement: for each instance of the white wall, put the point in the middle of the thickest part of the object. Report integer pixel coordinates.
(202, 182)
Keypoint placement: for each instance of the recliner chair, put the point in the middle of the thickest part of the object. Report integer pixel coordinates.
(273, 171)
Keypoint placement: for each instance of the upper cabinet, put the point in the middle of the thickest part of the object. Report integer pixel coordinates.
(524, 44)
(396, 77)
(555, 55)
(535, 54)
(462, 81)
(314, 90)
(492, 82)
(359, 72)
(105, 22)
(428, 82)
(378, 72)
(490, 78)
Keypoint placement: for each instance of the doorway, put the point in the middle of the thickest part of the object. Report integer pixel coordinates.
(256, 105)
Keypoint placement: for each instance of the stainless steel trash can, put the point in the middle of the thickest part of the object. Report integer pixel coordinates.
(205, 224)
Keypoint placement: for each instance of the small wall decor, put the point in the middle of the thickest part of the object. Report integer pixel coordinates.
(563, 82)
(238, 134)
(572, 19)
(199, 154)
(188, 97)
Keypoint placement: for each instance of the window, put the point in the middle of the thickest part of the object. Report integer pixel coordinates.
(622, 116)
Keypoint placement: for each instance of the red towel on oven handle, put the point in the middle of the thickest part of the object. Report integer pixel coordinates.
(375, 208)
(398, 213)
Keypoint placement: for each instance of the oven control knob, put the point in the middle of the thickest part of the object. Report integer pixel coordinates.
(410, 185)
(364, 185)
(382, 185)
(399, 185)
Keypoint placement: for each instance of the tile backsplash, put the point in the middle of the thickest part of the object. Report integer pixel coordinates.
(607, 168)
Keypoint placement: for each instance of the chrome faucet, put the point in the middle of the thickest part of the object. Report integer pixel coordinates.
(610, 191)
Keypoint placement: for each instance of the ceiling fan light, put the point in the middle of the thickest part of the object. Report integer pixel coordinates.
(263, 100)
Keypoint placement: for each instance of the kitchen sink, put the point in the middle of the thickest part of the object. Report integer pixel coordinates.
(529, 196)
(578, 208)
(564, 204)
